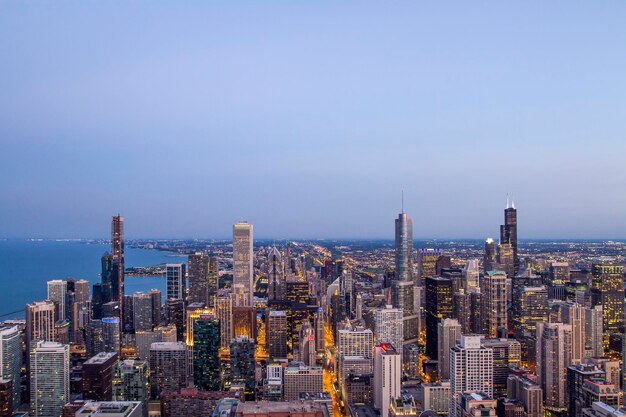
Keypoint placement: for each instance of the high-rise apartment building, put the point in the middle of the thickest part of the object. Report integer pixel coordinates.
(389, 327)
(357, 342)
(528, 393)
(11, 359)
(529, 306)
(111, 334)
(554, 355)
(494, 302)
(471, 370)
(157, 304)
(449, 332)
(594, 347)
(142, 311)
(507, 355)
(175, 281)
(574, 315)
(57, 293)
(387, 376)
(242, 364)
(489, 259)
(40, 319)
(243, 268)
(403, 284)
(199, 278)
(168, 367)
(49, 378)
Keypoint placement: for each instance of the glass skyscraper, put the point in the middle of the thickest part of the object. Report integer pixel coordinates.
(403, 284)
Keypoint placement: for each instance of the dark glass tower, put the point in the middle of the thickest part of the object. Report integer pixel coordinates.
(206, 345)
(508, 236)
(198, 278)
(403, 285)
(117, 247)
(438, 306)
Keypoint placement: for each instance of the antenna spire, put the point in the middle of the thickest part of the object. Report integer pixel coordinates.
(507, 201)
(402, 201)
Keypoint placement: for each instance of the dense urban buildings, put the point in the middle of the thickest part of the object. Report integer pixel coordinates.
(509, 330)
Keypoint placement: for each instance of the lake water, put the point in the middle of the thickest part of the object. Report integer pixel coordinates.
(26, 266)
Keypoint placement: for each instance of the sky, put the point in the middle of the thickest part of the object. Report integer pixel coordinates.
(309, 119)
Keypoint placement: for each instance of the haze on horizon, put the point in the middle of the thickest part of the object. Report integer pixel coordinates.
(308, 120)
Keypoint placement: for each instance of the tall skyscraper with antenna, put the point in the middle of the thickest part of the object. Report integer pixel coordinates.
(403, 285)
(508, 240)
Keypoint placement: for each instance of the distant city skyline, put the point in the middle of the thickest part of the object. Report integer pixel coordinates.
(308, 120)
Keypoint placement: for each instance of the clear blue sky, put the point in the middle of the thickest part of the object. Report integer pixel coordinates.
(309, 118)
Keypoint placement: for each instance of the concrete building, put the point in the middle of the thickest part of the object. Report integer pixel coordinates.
(387, 376)
(49, 378)
(243, 269)
(111, 409)
(449, 332)
(471, 369)
(299, 378)
(389, 327)
(98, 376)
(554, 355)
(168, 367)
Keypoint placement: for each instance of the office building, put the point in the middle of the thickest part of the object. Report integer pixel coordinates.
(387, 376)
(168, 367)
(6, 398)
(11, 360)
(508, 240)
(574, 315)
(389, 326)
(607, 290)
(475, 404)
(427, 264)
(175, 316)
(489, 260)
(277, 284)
(307, 344)
(471, 369)
(554, 355)
(143, 342)
(223, 311)
(436, 397)
(404, 283)
(281, 409)
(175, 281)
(130, 381)
(438, 306)
(199, 278)
(98, 376)
(206, 345)
(111, 334)
(243, 268)
(191, 402)
(276, 334)
(494, 302)
(507, 355)
(299, 378)
(49, 378)
(244, 322)
(214, 277)
(357, 342)
(448, 333)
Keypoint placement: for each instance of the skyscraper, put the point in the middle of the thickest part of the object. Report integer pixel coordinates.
(142, 311)
(438, 306)
(175, 281)
(206, 345)
(508, 236)
(40, 319)
(494, 302)
(168, 367)
(471, 369)
(224, 312)
(275, 276)
(49, 378)
(98, 376)
(403, 284)
(111, 334)
(199, 278)
(389, 327)
(307, 345)
(57, 293)
(130, 381)
(11, 359)
(574, 315)
(117, 248)
(607, 290)
(530, 305)
(157, 304)
(276, 330)
(387, 376)
(489, 260)
(242, 365)
(449, 332)
(243, 269)
(554, 355)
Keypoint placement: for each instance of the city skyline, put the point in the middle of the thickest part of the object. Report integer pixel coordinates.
(309, 120)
